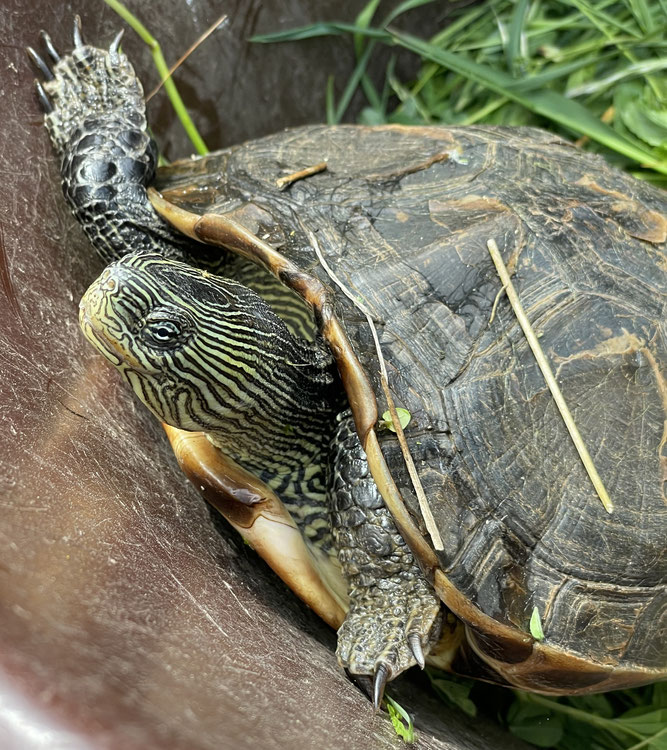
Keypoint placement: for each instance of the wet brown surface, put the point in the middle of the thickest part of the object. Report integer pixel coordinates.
(129, 618)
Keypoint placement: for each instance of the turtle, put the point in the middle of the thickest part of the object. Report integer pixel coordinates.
(269, 322)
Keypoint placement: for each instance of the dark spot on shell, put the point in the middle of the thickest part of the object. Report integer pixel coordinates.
(503, 648)
(549, 677)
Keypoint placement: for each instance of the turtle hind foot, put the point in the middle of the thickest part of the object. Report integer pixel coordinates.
(96, 118)
(87, 82)
(389, 628)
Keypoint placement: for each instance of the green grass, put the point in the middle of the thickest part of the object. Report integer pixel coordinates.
(161, 65)
(620, 720)
(594, 71)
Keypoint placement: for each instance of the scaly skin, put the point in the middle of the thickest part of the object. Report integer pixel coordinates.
(394, 616)
(95, 116)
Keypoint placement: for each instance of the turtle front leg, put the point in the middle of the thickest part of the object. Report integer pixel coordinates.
(395, 616)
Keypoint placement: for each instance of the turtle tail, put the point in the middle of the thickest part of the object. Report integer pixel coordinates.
(96, 117)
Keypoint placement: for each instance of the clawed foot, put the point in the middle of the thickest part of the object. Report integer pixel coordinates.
(389, 628)
(96, 117)
(87, 80)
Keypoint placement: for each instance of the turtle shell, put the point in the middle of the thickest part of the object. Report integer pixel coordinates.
(402, 217)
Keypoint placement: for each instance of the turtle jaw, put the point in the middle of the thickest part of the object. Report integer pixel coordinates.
(107, 346)
(139, 377)
(99, 334)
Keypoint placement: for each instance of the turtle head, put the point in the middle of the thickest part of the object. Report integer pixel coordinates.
(197, 349)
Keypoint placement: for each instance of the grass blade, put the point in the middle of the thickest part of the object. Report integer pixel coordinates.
(163, 70)
(364, 20)
(314, 30)
(330, 101)
(404, 7)
(601, 19)
(513, 47)
(556, 72)
(550, 104)
(631, 71)
(642, 12)
(357, 74)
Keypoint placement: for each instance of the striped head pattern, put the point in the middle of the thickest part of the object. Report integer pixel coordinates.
(203, 352)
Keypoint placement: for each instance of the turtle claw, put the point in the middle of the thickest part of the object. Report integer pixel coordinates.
(39, 63)
(85, 82)
(76, 33)
(382, 677)
(53, 52)
(115, 46)
(388, 629)
(415, 643)
(44, 100)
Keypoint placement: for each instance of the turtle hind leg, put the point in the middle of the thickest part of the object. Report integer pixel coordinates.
(394, 616)
(87, 83)
(96, 117)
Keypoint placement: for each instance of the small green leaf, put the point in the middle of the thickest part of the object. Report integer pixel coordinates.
(454, 690)
(535, 724)
(645, 722)
(401, 720)
(536, 625)
(643, 120)
(660, 695)
(404, 418)
(597, 703)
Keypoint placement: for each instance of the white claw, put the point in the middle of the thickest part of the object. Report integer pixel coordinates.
(78, 39)
(39, 63)
(53, 52)
(414, 641)
(382, 676)
(43, 98)
(114, 47)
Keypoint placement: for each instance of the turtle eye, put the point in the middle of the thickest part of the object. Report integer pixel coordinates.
(162, 333)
